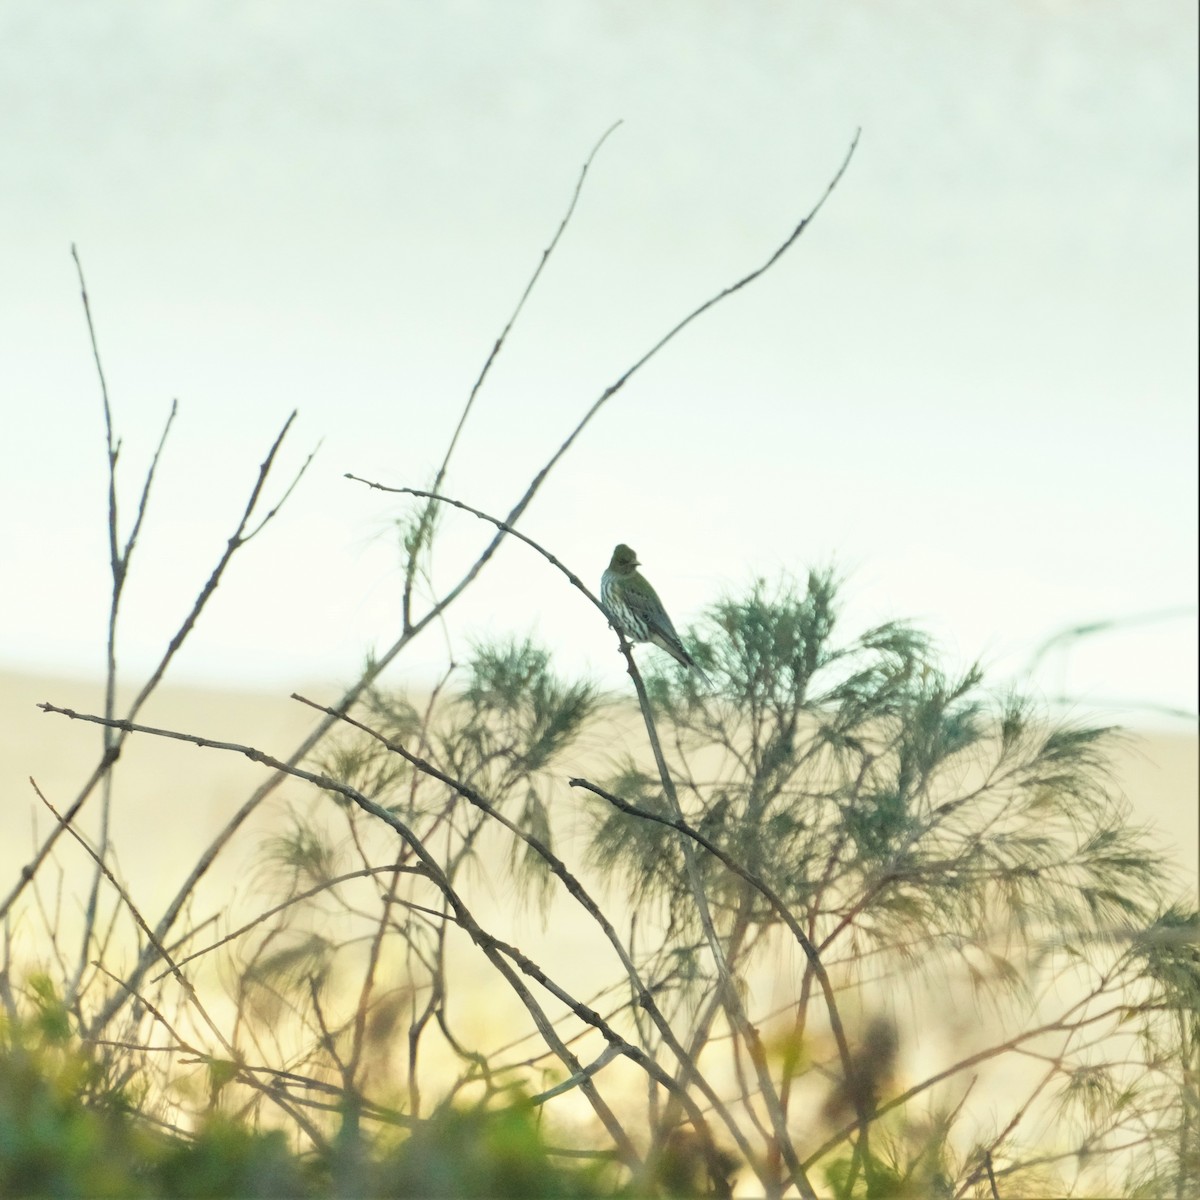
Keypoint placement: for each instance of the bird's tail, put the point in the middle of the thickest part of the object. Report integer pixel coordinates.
(680, 655)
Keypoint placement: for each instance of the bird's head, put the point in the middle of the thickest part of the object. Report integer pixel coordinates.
(623, 560)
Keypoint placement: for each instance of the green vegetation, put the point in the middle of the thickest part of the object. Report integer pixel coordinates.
(64, 1134)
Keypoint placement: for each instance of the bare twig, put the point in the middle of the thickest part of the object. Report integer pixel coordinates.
(119, 559)
(235, 542)
(504, 526)
(535, 485)
(1060, 1024)
(427, 512)
(181, 979)
(299, 898)
(576, 889)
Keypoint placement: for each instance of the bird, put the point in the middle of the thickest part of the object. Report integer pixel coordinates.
(635, 610)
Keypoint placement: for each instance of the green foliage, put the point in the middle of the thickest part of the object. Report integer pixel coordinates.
(301, 853)
(857, 773)
(61, 1137)
(1165, 957)
(364, 762)
(52, 1141)
(306, 958)
(500, 732)
(513, 709)
(479, 1151)
(52, 1022)
(902, 1163)
(1170, 951)
(57, 1139)
(916, 825)
(226, 1158)
(507, 728)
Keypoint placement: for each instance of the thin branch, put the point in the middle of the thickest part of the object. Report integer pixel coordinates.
(576, 889)
(502, 525)
(120, 576)
(535, 485)
(278, 908)
(112, 752)
(1105, 625)
(730, 997)
(144, 499)
(183, 982)
(273, 511)
(439, 479)
(119, 568)
(1058, 1025)
(991, 1176)
(778, 906)
(496, 951)
(113, 449)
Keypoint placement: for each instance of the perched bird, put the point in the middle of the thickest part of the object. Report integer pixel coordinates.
(636, 611)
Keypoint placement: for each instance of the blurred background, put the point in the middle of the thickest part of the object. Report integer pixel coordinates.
(971, 384)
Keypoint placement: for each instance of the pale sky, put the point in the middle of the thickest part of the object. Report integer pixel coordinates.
(971, 384)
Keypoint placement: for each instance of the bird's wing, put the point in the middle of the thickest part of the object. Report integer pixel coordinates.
(645, 602)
